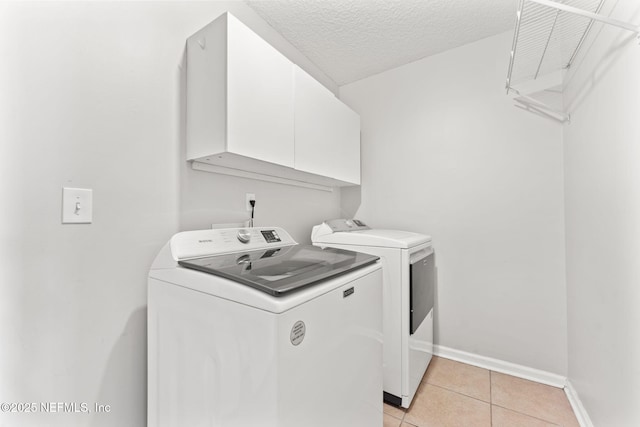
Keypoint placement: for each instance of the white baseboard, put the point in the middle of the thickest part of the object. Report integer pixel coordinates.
(576, 404)
(501, 366)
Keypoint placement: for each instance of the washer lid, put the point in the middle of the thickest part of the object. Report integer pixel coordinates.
(279, 271)
(375, 237)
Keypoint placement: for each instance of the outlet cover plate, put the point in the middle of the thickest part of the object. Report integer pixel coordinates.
(77, 206)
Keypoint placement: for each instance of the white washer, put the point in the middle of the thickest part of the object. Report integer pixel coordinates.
(247, 328)
(408, 264)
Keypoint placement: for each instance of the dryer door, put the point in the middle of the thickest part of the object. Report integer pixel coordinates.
(422, 279)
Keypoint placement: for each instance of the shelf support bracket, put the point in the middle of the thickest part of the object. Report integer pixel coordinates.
(515, 44)
(532, 103)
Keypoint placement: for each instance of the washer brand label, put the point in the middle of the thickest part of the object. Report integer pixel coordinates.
(348, 292)
(205, 241)
(297, 332)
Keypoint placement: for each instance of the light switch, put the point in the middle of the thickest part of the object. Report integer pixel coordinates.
(77, 206)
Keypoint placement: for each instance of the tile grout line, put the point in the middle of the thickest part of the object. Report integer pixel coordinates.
(404, 412)
(393, 416)
(491, 387)
(527, 415)
(553, 423)
(490, 399)
(461, 394)
(426, 382)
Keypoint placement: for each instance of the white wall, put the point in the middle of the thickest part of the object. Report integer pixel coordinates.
(445, 153)
(91, 96)
(602, 149)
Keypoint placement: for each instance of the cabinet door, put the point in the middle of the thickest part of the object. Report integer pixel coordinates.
(327, 132)
(259, 97)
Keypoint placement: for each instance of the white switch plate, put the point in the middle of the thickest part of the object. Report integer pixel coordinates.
(77, 206)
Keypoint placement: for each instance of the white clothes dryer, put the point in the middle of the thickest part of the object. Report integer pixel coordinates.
(409, 277)
(247, 328)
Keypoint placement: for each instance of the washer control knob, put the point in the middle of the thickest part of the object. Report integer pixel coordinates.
(244, 235)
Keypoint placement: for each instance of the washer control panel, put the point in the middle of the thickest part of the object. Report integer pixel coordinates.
(270, 236)
(244, 235)
(192, 244)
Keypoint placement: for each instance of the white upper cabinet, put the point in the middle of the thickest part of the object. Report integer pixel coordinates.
(239, 95)
(259, 97)
(327, 132)
(251, 112)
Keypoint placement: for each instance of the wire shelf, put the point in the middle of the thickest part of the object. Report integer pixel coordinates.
(546, 41)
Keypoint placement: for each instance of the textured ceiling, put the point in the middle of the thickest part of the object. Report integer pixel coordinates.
(353, 39)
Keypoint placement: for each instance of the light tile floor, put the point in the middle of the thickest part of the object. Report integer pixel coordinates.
(455, 394)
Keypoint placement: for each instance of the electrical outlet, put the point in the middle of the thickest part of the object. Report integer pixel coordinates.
(248, 198)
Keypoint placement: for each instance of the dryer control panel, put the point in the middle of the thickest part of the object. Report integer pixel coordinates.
(337, 225)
